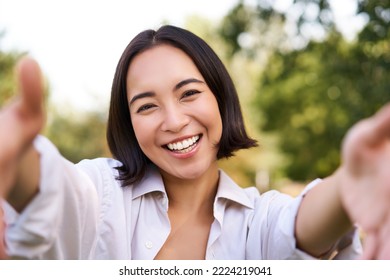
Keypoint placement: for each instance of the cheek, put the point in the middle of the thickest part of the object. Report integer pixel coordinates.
(143, 133)
(212, 119)
(218, 129)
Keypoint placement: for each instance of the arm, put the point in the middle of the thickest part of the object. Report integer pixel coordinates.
(358, 192)
(52, 208)
(321, 219)
(20, 122)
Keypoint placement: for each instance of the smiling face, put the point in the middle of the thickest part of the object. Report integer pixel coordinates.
(174, 114)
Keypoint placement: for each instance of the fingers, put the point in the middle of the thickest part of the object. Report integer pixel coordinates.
(383, 236)
(366, 192)
(375, 128)
(364, 138)
(30, 86)
(20, 121)
(376, 242)
(29, 113)
(370, 246)
(379, 126)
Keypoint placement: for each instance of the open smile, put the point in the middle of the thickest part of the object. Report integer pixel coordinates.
(184, 146)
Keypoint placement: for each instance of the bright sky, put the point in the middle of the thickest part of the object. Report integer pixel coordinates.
(78, 42)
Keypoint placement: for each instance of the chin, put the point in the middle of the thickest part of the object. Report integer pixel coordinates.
(194, 174)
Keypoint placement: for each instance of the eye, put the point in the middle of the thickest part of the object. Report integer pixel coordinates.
(190, 93)
(145, 107)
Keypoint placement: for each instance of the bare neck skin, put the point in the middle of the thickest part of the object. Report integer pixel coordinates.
(191, 215)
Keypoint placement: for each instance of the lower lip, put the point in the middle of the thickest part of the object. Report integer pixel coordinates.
(188, 154)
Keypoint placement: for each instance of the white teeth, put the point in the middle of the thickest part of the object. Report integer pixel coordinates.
(183, 144)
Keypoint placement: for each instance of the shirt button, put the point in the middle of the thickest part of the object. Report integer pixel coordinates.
(149, 244)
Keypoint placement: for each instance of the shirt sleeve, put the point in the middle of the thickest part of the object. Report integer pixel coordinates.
(61, 220)
(276, 220)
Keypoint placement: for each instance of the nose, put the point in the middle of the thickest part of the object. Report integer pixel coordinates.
(174, 119)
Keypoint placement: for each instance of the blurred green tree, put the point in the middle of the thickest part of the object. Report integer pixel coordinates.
(310, 93)
(7, 78)
(78, 135)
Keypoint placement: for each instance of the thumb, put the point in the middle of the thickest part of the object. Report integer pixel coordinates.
(381, 127)
(31, 87)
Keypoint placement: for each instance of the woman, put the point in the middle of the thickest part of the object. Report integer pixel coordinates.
(174, 112)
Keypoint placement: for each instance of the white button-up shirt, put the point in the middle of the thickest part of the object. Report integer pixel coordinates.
(82, 212)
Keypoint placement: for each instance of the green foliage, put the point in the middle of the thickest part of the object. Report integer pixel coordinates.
(7, 80)
(378, 13)
(234, 24)
(309, 97)
(78, 135)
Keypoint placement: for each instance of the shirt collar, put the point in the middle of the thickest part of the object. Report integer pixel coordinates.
(151, 182)
(227, 188)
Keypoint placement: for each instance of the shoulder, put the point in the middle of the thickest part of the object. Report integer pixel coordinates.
(99, 165)
(102, 172)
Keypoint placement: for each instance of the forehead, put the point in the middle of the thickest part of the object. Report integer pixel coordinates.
(162, 63)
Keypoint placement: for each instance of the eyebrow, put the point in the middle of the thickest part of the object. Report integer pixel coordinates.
(176, 87)
(141, 95)
(186, 82)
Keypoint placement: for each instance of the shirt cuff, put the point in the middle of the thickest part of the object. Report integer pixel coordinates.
(31, 232)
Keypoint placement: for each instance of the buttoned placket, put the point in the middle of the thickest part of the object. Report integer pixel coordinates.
(154, 243)
(164, 204)
(215, 230)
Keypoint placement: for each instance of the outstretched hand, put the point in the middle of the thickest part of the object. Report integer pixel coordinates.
(366, 181)
(20, 122)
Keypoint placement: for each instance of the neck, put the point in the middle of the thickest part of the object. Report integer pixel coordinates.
(193, 195)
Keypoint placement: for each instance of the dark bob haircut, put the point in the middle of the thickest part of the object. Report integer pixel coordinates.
(120, 134)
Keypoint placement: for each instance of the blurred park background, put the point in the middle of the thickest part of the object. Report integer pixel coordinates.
(302, 83)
